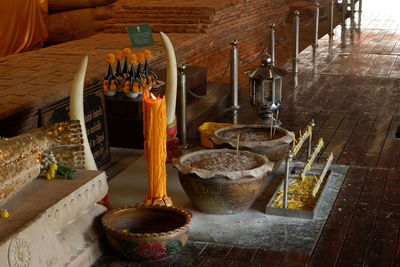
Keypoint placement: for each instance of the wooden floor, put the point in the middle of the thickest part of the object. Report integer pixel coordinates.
(352, 90)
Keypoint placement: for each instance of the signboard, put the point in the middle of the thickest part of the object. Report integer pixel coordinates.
(95, 119)
(140, 35)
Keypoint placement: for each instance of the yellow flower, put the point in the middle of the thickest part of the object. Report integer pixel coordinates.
(110, 58)
(147, 53)
(132, 59)
(119, 54)
(126, 51)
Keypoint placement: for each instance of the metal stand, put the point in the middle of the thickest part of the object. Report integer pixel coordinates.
(297, 40)
(344, 12)
(181, 109)
(316, 25)
(234, 81)
(286, 181)
(331, 9)
(273, 44)
(312, 125)
(352, 8)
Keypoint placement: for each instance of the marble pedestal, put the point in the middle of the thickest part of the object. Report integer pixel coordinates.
(54, 222)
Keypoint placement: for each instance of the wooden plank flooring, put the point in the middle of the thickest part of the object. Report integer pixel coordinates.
(352, 91)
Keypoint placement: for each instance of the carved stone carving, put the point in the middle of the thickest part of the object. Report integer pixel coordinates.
(53, 222)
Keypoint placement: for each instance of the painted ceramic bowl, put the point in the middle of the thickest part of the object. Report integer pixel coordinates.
(147, 233)
(219, 182)
(256, 138)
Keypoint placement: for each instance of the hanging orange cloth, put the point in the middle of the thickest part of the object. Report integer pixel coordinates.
(23, 25)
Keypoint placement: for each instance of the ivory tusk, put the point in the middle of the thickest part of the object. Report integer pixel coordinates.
(77, 111)
(171, 83)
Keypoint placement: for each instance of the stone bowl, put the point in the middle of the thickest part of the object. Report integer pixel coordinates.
(275, 150)
(222, 191)
(147, 233)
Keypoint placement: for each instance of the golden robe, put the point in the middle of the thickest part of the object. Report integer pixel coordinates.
(23, 25)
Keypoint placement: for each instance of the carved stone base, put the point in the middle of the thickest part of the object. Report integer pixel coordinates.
(53, 222)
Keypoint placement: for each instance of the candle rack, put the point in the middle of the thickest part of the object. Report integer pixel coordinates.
(303, 183)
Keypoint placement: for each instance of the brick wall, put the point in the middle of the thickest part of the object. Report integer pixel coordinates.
(221, 21)
(36, 79)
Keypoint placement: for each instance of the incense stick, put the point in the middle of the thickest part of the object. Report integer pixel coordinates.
(276, 122)
(237, 147)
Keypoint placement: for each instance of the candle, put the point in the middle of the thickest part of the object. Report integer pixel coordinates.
(155, 140)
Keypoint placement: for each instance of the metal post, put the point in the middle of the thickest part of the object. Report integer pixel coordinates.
(286, 181)
(331, 9)
(297, 40)
(352, 7)
(181, 108)
(344, 12)
(359, 6)
(316, 25)
(312, 124)
(234, 82)
(273, 43)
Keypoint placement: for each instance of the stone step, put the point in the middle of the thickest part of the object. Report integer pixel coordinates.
(167, 28)
(166, 20)
(168, 15)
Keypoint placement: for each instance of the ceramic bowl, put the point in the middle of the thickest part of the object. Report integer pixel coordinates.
(275, 149)
(147, 233)
(222, 191)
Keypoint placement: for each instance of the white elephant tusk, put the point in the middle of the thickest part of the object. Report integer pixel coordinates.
(170, 91)
(77, 111)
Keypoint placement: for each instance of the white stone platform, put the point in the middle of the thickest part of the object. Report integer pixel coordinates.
(251, 228)
(52, 222)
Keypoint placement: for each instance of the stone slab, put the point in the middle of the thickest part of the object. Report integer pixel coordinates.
(251, 228)
(52, 222)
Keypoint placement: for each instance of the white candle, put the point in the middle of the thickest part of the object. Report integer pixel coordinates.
(172, 74)
(77, 111)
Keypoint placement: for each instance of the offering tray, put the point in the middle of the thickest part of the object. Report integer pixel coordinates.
(271, 208)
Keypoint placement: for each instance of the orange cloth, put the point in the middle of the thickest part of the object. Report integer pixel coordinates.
(23, 24)
(155, 149)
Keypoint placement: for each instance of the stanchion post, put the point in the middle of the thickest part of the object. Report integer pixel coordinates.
(316, 25)
(331, 14)
(181, 111)
(359, 6)
(344, 12)
(286, 181)
(309, 150)
(234, 79)
(297, 40)
(352, 7)
(273, 43)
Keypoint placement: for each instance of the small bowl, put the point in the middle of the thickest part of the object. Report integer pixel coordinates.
(147, 233)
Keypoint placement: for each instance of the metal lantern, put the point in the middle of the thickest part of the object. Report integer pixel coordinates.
(266, 89)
